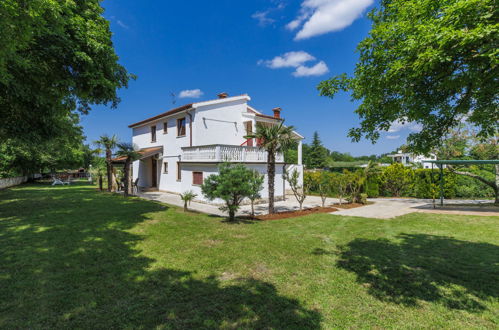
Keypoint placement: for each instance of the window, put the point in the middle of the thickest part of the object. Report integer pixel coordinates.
(179, 172)
(181, 127)
(165, 167)
(165, 127)
(197, 178)
(153, 133)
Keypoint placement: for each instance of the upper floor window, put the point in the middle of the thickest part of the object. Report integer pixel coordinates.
(165, 127)
(181, 127)
(153, 133)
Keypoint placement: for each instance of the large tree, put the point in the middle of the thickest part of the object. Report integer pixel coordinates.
(430, 62)
(56, 58)
(274, 139)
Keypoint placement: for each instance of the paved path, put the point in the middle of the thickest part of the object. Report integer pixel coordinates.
(386, 208)
(383, 208)
(288, 205)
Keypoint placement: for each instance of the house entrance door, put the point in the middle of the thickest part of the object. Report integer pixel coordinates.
(154, 170)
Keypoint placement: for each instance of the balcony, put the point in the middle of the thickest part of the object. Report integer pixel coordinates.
(226, 153)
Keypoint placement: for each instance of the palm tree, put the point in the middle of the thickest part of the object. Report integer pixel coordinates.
(129, 151)
(274, 139)
(108, 143)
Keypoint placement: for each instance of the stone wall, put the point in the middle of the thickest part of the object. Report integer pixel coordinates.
(10, 182)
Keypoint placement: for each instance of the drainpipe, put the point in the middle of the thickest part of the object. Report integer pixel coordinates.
(283, 183)
(190, 128)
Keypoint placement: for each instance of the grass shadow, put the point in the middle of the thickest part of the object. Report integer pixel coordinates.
(420, 267)
(69, 260)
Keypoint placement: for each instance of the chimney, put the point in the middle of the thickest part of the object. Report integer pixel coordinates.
(223, 95)
(277, 112)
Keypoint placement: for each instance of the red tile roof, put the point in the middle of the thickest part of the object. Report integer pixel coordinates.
(267, 116)
(164, 114)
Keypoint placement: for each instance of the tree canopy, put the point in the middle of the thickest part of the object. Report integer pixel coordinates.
(56, 59)
(430, 62)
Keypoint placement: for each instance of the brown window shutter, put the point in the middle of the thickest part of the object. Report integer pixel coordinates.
(197, 178)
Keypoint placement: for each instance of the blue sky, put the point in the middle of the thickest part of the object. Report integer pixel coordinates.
(275, 51)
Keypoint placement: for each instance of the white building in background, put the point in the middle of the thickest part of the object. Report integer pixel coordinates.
(410, 159)
(182, 146)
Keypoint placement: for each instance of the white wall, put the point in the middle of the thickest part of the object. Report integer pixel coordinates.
(209, 169)
(220, 124)
(10, 182)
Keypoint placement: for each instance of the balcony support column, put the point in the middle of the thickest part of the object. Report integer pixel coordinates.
(300, 152)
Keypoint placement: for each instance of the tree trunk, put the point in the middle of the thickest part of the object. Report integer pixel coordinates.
(496, 190)
(109, 168)
(252, 208)
(100, 182)
(127, 177)
(232, 215)
(271, 177)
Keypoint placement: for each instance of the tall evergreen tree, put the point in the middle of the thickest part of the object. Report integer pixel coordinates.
(317, 153)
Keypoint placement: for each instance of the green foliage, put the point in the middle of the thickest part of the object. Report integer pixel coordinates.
(397, 179)
(130, 153)
(274, 139)
(428, 62)
(355, 182)
(321, 182)
(187, 197)
(56, 57)
(372, 187)
(255, 187)
(232, 185)
(66, 151)
(300, 190)
(316, 153)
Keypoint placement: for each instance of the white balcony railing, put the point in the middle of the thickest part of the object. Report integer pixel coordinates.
(226, 153)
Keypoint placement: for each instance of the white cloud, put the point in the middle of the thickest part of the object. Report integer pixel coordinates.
(393, 137)
(297, 60)
(399, 125)
(322, 16)
(316, 70)
(288, 60)
(191, 93)
(263, 16)
(123, 25)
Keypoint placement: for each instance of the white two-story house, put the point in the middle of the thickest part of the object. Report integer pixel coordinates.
(409, 159)
(182, 146)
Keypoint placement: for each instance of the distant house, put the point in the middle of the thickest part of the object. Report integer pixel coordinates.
(409, 159)
(182, 146)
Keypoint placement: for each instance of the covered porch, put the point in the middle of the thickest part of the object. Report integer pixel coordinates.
(145, 172)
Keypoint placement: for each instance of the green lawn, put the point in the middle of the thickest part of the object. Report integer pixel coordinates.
(71, 257)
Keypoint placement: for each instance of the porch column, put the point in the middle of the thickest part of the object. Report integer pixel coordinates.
(299, 152)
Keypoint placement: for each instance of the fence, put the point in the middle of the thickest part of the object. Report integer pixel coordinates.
(10, 182)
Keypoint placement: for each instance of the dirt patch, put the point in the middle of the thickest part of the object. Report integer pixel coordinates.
(294, 214)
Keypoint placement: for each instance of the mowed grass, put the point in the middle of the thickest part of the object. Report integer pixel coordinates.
(71, 257)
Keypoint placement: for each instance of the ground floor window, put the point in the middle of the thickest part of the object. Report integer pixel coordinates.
(179, 172)
(197, 178)
(165, 167)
